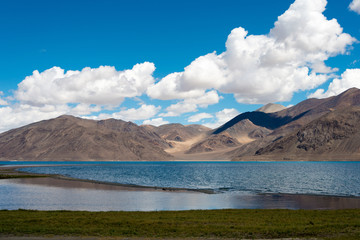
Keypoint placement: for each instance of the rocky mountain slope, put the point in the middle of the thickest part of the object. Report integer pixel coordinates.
(334, 134)
(242, 129)
(70, 138)
(213, 142)
(297, 117)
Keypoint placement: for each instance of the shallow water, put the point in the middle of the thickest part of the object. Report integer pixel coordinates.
(17, 195)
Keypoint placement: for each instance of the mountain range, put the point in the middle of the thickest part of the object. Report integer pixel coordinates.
(315, 129)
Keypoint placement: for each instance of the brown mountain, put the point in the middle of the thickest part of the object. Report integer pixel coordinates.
(313, 129)
(240, 133)
(212, 143)
(70, 138)
(311, 109)
(178, 132)
(246, 131)
(294, 118)
(251, 131)
(289, 119)
(335, 135)
(180, 137)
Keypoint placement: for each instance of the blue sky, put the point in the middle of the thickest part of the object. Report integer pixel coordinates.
(172, 61)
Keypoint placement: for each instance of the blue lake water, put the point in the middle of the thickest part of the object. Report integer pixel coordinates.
(322, 178)
(236, 184)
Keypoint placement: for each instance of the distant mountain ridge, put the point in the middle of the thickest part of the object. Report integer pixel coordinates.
(71, 138)
(314, 129)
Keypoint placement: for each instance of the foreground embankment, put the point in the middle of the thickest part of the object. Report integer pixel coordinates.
(323, 224)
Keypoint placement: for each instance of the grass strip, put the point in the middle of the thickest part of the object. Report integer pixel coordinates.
(324, 224)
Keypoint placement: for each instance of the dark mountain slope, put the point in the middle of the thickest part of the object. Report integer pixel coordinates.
(266, 120)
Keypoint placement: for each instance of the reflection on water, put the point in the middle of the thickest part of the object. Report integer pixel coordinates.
(15, 194)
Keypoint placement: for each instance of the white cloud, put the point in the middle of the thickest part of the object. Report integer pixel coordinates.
(155, 122)
(222, 117)
(265, 68)
(355, 6)
(2, 101)
(23, 114)
(132, 114)
(198, 117)
(179, 108)
(169, 88)
(101, 86)
(53, 92)
(350, 78)
(192, 104)
(84, 109)
(19, 115)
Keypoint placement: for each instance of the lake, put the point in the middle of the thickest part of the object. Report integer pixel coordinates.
(235, 184)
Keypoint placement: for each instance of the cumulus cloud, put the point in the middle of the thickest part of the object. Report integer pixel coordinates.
(192, 104)
(265, 68)
(131, 114)
(155, 122)
(169, 88)
(19, 115)
(222, 117)
(83, 109)
(54, 92)
(22, 114)
(2, 101)
(355, 6)
(350, 78)
(101, 86)
(200, 116)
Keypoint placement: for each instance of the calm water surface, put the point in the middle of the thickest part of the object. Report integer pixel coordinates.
(236, 184)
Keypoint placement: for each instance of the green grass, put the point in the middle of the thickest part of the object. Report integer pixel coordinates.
(324, 224)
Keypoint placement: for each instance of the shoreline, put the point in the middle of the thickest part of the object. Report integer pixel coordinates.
(69, 182)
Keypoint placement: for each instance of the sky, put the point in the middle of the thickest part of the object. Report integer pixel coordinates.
(159, 61)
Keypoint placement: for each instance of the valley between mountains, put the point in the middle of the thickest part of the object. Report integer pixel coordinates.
(315, 129)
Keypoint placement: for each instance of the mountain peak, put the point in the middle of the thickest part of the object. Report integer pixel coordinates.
(271, 108)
